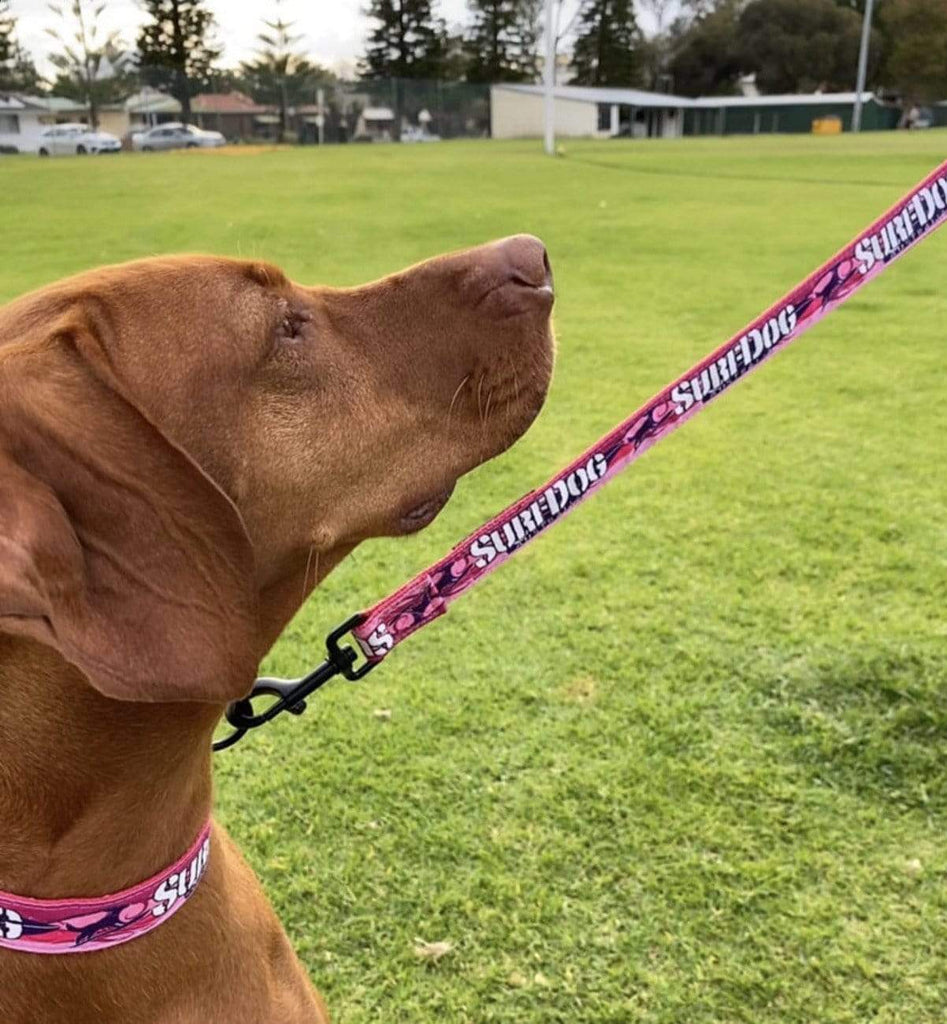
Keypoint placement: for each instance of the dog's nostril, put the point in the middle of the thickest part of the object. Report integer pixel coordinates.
(548, 268)
(527, 262)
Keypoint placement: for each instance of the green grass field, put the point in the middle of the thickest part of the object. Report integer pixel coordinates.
(683, 760)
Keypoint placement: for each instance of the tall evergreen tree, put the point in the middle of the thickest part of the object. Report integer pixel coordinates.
(17, 70)
(7, 27)
(176, 49)
(279, 72)
(502, 40)
(608, 44)
(408, 41)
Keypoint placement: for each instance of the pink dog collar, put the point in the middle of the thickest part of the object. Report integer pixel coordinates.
(87, 925)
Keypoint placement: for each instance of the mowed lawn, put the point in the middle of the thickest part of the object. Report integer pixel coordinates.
(683, 760)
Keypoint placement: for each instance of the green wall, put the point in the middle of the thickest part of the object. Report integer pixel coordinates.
(791, 117)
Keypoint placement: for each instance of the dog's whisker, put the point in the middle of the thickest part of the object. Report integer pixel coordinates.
(516, 388)
(312, 548)
(460, 388)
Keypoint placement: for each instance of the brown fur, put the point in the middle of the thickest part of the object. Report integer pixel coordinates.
(187, 447)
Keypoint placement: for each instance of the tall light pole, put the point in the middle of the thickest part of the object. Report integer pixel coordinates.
(549, 80)
(862, 67)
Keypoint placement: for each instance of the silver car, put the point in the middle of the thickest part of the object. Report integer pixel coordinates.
(75, 140)
(175, 136)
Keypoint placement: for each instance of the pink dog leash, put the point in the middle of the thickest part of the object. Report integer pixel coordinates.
(426, 597)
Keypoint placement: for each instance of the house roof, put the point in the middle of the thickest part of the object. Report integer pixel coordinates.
(152, 101)
(226, 103)
(781, 100)
(48, 104)
(595, 94)
(641, 98)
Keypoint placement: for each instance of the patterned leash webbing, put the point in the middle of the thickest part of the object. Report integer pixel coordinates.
(424, 598)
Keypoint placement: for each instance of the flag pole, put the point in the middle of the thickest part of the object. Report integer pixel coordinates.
(862, 67)
(549, 80)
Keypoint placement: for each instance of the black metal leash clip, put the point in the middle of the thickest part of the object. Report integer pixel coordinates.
(291, 694)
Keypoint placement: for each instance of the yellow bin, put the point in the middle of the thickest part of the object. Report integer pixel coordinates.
(827, 126)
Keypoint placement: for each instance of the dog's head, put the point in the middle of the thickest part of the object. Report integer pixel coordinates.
(187, 445)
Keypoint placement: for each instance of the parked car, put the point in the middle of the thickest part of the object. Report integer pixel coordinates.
(418, 134)
(76, 140)
(176, 136)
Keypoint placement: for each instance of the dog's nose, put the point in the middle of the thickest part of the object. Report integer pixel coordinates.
(527, 262)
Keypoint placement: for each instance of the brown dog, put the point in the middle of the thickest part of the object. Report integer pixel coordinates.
(187, 447)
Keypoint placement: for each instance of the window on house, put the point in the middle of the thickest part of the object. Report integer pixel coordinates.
(9, 124)
(604, 117)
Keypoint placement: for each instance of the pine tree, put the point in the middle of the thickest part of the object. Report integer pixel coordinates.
(7, 27)
(176, 49)
(17, 71)
(408, 42)
(608, 44)
(280, 73)
(502, 40)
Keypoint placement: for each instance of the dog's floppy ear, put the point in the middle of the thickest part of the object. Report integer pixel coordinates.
(115, 548)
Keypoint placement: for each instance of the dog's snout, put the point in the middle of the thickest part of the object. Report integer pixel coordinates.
(527, 262)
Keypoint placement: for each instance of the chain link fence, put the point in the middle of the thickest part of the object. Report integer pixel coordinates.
(391, 110)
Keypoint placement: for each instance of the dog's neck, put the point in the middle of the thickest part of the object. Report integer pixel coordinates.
(95, 794)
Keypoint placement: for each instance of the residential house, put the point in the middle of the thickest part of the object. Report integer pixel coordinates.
(139, 112)
(375, 124)
(235, 115)
(24, 118)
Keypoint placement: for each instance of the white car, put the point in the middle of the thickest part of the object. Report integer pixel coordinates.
(419, 134)
(176, 136)
(76, 140)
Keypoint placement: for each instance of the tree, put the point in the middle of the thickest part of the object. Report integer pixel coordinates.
(117, 79)
(270, 83)
(502, 39)
(7, 27)
(175, 48)
(705, 53)
(607, 46)
(800, 45)
(916, 32)
(17, 70)
(279, 73)
(87, 59)
(407, 42)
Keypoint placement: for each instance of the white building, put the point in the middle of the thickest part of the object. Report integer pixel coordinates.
(24, 118)
(516, 111)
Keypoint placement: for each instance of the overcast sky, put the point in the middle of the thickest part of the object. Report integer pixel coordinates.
(333, 30)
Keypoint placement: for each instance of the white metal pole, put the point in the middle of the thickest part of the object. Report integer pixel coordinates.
(862, 67)
(549, 80)
(320, 123)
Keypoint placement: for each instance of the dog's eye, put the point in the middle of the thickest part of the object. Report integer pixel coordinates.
(292, 325)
